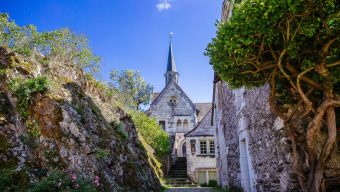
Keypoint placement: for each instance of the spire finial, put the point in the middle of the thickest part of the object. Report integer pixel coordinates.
(171, 35)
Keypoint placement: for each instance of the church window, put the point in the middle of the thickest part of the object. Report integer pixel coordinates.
(185, 124)
(203, 147)
(212, 147)
(179, 123)
(173, 101)
(162, 124)
(193, 146)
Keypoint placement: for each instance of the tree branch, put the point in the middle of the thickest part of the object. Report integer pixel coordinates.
(302, 94)
(333, 64)
(279, 63)
(303, 78)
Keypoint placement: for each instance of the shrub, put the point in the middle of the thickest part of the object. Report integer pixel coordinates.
(33, 128)
(152, 133)
(60, 181)
(212, 183)
(27, 140)
(233, 188)
(25, 90)
(12, 180)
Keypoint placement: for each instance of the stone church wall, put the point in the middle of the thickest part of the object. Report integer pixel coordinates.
(267, 151)
(161, 109)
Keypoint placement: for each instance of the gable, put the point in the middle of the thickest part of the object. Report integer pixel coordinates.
(173, 89)
(204, 128)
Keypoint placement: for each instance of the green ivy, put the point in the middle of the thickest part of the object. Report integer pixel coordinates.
(25, 90)
(102, 153)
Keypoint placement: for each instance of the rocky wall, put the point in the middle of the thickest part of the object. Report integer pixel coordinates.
(69, 128)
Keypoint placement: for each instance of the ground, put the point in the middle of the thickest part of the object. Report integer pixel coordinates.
(190, 190)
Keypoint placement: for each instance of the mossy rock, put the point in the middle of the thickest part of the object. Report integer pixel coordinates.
(4, 145)
(5, 105)
(7, 160)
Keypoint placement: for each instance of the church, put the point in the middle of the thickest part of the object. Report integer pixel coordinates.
(192, 141)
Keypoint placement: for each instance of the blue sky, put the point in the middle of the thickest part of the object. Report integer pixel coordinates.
(133, 34)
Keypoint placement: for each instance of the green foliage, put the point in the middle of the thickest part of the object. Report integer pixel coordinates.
(12, 180)
(134, 89)
(25, 90)
(212, 183)
(59, 181)
(102, 153)
(233, 188)
(118, 127)
(33, 128)
(246, 50)
(28, 140)
(152, 133)
(61, 44)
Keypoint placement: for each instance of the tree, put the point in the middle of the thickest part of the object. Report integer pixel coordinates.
(294, 47)
(135, 89)
(62, 45)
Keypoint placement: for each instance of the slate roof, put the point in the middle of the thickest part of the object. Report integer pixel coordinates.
(203, 128)
(171, 66)
(203, 109)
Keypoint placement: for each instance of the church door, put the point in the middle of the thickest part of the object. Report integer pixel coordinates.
(184, 149)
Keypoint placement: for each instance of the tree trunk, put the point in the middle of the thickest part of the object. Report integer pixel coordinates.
(326, 150)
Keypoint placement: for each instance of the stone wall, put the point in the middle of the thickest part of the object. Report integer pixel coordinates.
(264, 162)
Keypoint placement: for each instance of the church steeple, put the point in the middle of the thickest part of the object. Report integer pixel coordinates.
(171, 74)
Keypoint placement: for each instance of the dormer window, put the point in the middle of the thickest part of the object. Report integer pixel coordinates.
(173, 101)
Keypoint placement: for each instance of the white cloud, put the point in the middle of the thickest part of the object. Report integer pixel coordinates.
(163, 5)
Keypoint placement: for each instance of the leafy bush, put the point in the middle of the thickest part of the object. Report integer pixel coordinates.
(212, 183)
(24, 90)
(33, 128)
(152, 133)
(28, 140)
(61, 44)
(233, 188)
(12, 180)
(59, 181)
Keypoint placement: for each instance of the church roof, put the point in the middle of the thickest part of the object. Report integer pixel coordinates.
(203, 109)
(203, 128)
(171, 66)
(179, 88)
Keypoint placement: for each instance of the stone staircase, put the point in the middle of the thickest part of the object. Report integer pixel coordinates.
(177, 176)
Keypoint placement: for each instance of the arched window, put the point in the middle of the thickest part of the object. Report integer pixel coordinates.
(185, 124)
(173, 101)
(179, 123)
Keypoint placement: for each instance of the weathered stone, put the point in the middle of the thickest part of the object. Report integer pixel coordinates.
(71, 131)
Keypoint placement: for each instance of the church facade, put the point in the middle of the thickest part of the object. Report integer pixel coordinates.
(178, 115)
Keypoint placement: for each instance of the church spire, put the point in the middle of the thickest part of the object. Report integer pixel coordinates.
(171, 72)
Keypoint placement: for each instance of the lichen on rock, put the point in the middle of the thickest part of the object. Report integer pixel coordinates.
(75, 134)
